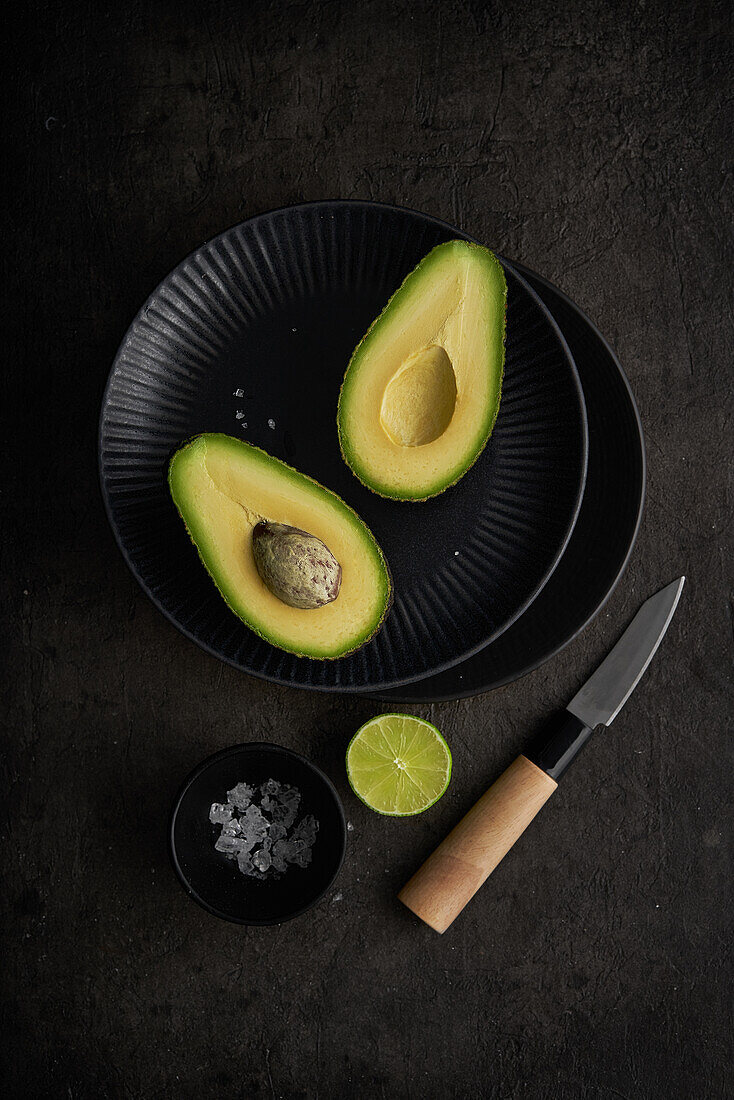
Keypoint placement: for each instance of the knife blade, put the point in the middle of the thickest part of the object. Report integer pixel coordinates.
(604, 694)
(451, 876)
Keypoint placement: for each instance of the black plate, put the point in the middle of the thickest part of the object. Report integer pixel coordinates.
(604, 535)
(214, 881)
(274, 307)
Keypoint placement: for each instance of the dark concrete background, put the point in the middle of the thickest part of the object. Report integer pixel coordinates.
(589, 140)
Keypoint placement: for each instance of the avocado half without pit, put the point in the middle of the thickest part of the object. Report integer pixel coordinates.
(422, 390)
(289, 557)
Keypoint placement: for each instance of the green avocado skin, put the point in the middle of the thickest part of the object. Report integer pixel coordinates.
(175, 476)
(495, 272)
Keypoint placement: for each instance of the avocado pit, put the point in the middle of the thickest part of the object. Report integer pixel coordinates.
(298, 568)
(420, 398)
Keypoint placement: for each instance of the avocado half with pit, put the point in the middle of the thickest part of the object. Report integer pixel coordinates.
(290, 558)
(422, 389)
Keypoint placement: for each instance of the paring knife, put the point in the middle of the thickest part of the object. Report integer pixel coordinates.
(452, 875)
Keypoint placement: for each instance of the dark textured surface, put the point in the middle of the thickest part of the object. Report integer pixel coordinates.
(589, 142)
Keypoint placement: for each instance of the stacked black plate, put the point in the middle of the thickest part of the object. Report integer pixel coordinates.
(251, 335)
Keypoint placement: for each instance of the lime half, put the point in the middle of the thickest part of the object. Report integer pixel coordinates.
(398, 764)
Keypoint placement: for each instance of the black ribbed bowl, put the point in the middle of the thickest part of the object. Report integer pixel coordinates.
(274, 307)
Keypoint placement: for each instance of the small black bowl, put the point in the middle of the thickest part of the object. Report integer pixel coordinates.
(215, 881)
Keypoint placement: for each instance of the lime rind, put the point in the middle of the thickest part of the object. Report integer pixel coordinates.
(370, 764)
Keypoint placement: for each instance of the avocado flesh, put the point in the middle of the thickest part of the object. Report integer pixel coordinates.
(222, 488)
(420, 399)
(422, 389)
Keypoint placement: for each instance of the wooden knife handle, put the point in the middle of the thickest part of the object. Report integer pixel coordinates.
(452, 875)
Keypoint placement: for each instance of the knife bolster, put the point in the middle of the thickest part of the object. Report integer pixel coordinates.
(559, 743)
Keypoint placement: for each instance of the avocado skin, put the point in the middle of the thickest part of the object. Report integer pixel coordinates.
(343, 444)
(260, 633)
